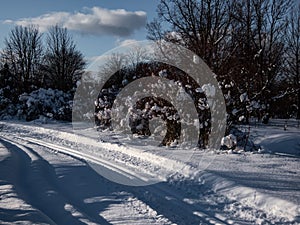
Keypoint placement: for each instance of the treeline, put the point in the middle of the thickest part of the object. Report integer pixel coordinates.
(36, 60)
(253, 46)
(31, 61)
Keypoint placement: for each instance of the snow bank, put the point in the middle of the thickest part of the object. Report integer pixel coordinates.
(251, 197)
(152, 163)
(46, 103)
(229, 141)
(40, 104)
(4, 153)
(284, 143)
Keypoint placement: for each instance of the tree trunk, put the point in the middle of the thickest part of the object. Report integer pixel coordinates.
(298, 110)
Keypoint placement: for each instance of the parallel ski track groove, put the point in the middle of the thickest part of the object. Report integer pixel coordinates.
(79, 155)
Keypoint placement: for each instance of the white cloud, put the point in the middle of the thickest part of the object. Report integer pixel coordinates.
(95, 21)
(126, 42)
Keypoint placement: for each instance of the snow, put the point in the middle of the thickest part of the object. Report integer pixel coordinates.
(163, 73)
(229, 141)
(199, 90)
(209, 90)
(196, 59)
(285, 143)
(45, 165)
(47, 103)
(244, 97)
(234, 111)
(241, 118)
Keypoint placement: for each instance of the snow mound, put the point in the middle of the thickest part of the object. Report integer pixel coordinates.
(229, 141)
(252, 197)
(49, 103)
(284, 143)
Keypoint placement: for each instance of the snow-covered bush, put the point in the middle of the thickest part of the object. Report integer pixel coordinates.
(54, 104)
(229, 142)
(238, 139)
(7, 108)
(144, 110)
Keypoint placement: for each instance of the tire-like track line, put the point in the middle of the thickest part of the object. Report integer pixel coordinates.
(196, 213)
(37, 196)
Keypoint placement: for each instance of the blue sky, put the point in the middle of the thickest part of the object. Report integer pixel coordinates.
(96, 25)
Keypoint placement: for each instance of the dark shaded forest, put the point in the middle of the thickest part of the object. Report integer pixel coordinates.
(252, 46)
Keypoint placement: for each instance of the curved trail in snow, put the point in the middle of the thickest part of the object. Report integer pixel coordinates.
(38, 184)
(57, 185)
(181, 212)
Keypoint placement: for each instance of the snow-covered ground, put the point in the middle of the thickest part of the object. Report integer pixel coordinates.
(51, 175)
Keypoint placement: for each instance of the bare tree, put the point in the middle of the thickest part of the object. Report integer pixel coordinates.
(121, 66)
(242, 41)
(136, 55)
(23, 52)
(113, 63)
(293, 53)
(63, 63)
(201, 26)
(257, 34)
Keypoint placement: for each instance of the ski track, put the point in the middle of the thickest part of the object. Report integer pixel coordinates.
(57, 186)
(157, 192)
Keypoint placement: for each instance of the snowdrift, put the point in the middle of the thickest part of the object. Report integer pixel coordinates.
(285, 143)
